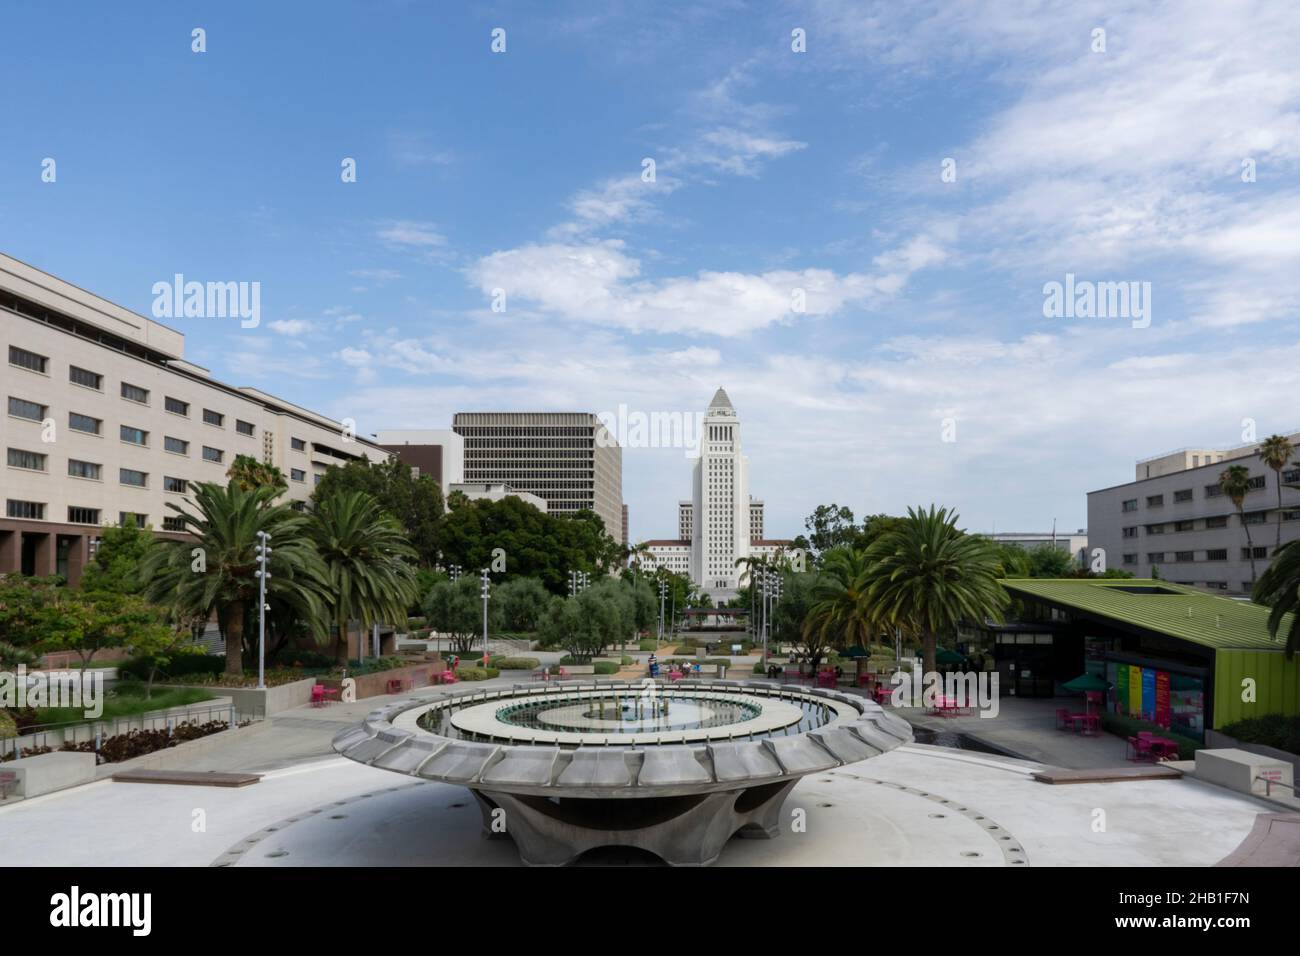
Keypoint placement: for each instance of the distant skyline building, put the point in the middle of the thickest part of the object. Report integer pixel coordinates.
(438, 453)
(721, 523)
(568, 459)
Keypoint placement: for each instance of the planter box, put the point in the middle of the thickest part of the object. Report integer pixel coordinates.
(46, 773)
(1216, 741)
(181, 754)
(261, 703)
(1243, 771)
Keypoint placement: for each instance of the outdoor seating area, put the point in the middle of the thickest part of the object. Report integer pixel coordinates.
(322, 695)
(1149, 747)
(1088, 724)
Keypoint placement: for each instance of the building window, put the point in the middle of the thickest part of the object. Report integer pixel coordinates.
(1130, 532)
(1130, 559)
(1155, 501)
(297, 444)
(1213, 491)
(178, 485)
(34, 510)
(129, 476)
(1255, 517)
(213, 454)
(134, 393)
(32, 411)
(244, 428)
(84, 469)
(1184, 555)
(213, 418)
(140, 520)
(176, 446)
(31, 460)
(1155, 529)
(176, 406)
(173, 523)
(28, 360)
(1248, 553)
(84, 423)
(1184, 525)
(1130, 505)
(134, 436)
(1256, 483)
(1155, 557)
(82, 515)
(1219, 521)
(297, 474)
(1291, 515)
(1216, 554)
(1183, 495)
(85, 378)
(1291, 477)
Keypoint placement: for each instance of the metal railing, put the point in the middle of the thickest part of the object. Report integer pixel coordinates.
(1268, 786)
(55, 735)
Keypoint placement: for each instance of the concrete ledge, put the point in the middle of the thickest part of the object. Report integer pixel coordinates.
(46, 773)
(177, 756)
(1244, 771)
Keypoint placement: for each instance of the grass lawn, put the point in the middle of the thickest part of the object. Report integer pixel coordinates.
(127, 701)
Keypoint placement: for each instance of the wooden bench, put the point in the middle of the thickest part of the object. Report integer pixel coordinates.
(187, 778)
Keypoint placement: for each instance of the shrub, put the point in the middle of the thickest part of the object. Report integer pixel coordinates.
(476, 673)
(627, 661)
(416, 623)
(515, 663)
(605, 667)
(647, 645)
(290, 657)
(1270, 730)
(182, 665)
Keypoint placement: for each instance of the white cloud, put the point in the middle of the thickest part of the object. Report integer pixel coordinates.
(420, 235)
(291, 327)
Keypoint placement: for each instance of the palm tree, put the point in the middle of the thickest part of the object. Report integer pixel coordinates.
(840, 614)
(213, 569)
(1276, 451)
(1279, 588)
(751, 565)
(635, 556)
(251, 473)
(367, 562)
(927, 575)
(1235, 482)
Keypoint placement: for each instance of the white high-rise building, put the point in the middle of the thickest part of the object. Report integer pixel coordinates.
(721, 523)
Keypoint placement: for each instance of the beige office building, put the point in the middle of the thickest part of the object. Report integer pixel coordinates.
(568, 459)
(105, 418)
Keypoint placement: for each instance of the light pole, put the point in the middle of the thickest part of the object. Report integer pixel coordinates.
(487, 586)
(455, 573)
(263, 554)
(663, 594)
(573, 584)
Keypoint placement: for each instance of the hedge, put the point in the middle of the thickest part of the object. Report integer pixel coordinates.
(1272, 730)
(515, 663)
(476, 673)
(604, 667)
(181, 665)
(647, 645)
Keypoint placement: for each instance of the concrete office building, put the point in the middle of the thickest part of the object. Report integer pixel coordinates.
(489, 491)
(568, 459)
(722, 522)
(105, 419)
(1179, 524)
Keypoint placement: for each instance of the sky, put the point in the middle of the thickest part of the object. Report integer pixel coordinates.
(854, 212)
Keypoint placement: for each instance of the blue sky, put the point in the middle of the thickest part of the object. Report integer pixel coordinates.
(775, 171)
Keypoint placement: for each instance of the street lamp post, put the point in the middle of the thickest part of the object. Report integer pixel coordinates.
(487, 586)
(263, 555)
(663, 594)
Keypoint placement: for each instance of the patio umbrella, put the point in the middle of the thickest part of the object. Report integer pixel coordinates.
(1087, 684)
(945, 656)
(857, 650)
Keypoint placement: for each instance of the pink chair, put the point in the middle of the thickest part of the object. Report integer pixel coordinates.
(318, 695)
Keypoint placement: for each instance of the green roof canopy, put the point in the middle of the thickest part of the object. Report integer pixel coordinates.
(1171, 609)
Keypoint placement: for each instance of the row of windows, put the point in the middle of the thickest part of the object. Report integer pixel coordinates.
(1183, 557)
(77, 514)
(1215, 490)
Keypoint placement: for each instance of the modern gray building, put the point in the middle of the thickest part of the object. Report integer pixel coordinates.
(568, 459)
(1178, 525)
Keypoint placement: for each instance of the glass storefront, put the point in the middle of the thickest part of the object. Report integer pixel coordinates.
(1165, 698)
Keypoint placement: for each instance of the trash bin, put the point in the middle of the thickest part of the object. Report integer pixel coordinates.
(722, 671)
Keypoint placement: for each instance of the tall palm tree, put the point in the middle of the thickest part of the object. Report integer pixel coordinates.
(1235, 482)
(213, 570)
(1276, 451)
(927, 574)
(751, 565)
(1279, 588)
(636, 556)
(840, 614)
(367, 562)
(251, 473)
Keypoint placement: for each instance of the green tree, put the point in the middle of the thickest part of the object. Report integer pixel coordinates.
(87, 623)
(368, 572)
(1235, 482)
(116, 564)
(523, 602)
(1046, 561)
(415, 502)
(22, 607)
(212, 571)
(840, 615)
(1279, 588)
(455, 609)
(928, 575)
(249, 473)
(831, 526)
(1276, 451)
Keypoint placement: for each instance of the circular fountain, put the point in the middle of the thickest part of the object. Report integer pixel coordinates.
(675, 770)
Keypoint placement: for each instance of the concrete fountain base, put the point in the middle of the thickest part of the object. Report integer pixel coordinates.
(688, 830)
